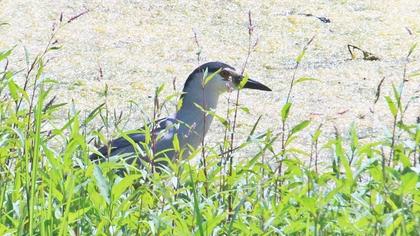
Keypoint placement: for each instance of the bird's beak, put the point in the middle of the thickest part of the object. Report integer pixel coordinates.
(252, 84)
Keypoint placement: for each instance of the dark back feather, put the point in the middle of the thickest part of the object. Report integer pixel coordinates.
(121, 143)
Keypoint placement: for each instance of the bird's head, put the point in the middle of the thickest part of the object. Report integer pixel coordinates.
(220, 77)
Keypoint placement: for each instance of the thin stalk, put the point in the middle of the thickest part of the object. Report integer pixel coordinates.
(48, 47)
(316, 156)
(283, 123)
(398, 98)
(417, 146)
(154, 136)
(36, 156)
(224, 151)
(203, 151)
(391, 153)
(251, 46)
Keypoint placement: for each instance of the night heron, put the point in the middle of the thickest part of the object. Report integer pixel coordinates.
(187, 128)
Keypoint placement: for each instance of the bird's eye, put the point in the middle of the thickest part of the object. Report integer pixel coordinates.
(225, 74)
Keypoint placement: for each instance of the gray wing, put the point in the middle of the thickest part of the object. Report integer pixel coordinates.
(122, 146)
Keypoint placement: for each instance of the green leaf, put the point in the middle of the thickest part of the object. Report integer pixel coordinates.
(354, 138)
(414, 74)
(392, 107)
(198, 216)
(40, 68)
(137, 149)
(78, 214)
(243, 81)
(159, 89)
(316, 135)
(397, 96)
(4, 55)
(122, 186)
(179, 104)
(55, 48)
(300, 56)
(214, 114)
(175, 143)
(92, 114)
(290, 139)
(411, 49)
(392, 228)
(50, 81)
(285, 111)
(206, 78)
(36, 153)
(244, 109)
(339, 150)
(13, 89)
(408, 183)
(303, 79)
(300, 126)
(236, 212)
(102, 183)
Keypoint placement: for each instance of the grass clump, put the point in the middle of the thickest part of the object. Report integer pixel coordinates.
(366, 189)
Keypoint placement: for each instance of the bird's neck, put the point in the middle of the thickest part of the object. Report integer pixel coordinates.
(195, 122)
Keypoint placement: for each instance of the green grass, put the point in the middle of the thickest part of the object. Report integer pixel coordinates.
(48, 185)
